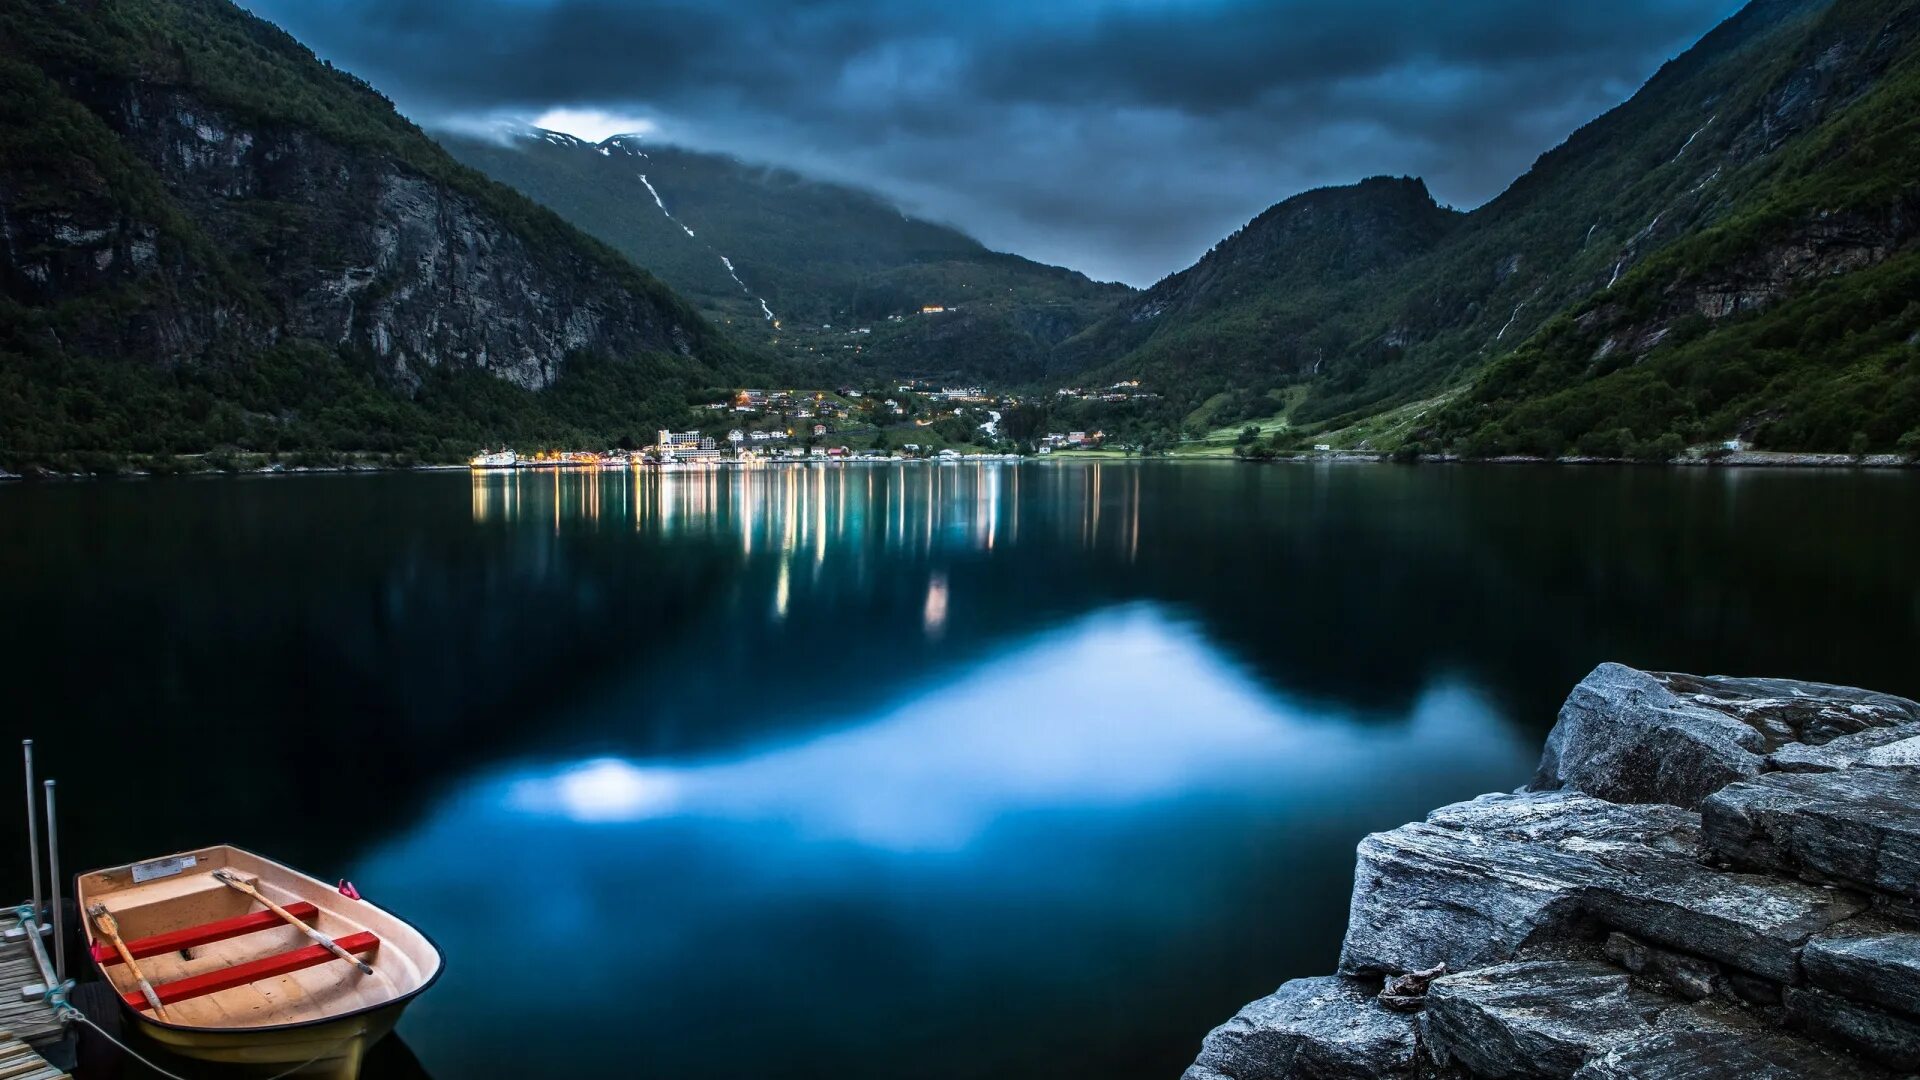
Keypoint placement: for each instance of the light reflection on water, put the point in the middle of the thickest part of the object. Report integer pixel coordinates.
(807, 508)
(1033, 792)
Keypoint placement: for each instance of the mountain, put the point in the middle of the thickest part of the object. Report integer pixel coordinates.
(798, 266)
(211, 239)
(1730, 253)
(1254, 312)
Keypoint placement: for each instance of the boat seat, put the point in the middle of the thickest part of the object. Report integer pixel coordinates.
(267, 967)
(203, 934)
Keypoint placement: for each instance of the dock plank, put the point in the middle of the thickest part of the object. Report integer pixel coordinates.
(27, 1021)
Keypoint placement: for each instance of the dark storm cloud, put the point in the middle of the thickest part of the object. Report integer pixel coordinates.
(1120, 137)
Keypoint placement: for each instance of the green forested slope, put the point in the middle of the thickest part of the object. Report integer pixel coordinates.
(826, 258)
(1727, 254)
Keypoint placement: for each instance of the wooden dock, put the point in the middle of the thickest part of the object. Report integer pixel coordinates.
(24, 1024)
(18, 1061)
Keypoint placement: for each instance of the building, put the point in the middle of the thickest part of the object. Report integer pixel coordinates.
(819, 429)
(685, 446)
(932, 309)
(736, 437)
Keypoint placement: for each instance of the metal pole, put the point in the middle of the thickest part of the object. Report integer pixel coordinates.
(33, 830)
(53, 875)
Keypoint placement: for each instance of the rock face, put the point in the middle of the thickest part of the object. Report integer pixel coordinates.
(1860, 825)
(1635, 736)
(226, 222)
(1328, 1028)
(1535, 1019)
(1604, 928)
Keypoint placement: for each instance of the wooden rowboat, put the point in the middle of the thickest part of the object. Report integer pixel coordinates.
(237, 982)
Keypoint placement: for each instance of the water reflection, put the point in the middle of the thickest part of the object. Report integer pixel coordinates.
(980, 768)
(901, 869)
(912, 507)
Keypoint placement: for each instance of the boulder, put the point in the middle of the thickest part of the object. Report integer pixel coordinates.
(1788, 710)
(1723, 1055)
(1323, 1029)
(1641, 737)
(1877, 965)
(1747, 921)
(1857, 825)
(1888, 747)
(1544, 1018)
(1624, 736)
(1479, 882)
(1891, 1040)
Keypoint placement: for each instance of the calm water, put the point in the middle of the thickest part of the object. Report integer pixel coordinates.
(949, 771)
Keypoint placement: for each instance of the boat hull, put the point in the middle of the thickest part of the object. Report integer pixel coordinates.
(331, 1049)
(246, 991)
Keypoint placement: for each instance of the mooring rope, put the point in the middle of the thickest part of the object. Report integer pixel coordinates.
(66, 1011)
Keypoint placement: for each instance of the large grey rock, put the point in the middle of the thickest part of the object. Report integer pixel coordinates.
(1479, 882)
(1313, 1029)
(1880, 966)
(1723, 1055)
(1639, 737)
(1748, 921)
(1789, 710)
(1890, 1040)
(1856, 825)
(1888, 747)
(1534, 1018)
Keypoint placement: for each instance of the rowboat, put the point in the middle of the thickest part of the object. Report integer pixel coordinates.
(225, 956)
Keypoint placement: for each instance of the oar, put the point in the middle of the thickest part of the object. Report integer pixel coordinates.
(104, 919)
(227, 879)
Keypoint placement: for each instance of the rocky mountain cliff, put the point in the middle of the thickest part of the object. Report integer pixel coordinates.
(196, 214)
(796, 266)
(1709, 878)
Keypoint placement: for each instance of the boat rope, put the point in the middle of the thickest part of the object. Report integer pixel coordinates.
(65, 1011)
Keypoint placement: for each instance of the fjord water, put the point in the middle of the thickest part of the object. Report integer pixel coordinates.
(940, 771)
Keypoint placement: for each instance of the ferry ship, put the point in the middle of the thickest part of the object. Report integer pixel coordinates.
(503, 459)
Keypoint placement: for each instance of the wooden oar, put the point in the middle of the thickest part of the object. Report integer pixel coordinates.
(227, 879)
(110, 927)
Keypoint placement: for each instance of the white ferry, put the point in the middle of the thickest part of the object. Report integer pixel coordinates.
(503, 459)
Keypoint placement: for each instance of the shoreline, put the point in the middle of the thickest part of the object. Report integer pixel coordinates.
(1748, 459)
(1748, 907)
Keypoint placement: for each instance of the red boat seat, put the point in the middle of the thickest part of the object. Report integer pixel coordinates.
(204, 934)
(267, 967)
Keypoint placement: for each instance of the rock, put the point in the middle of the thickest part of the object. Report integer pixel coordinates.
(1753, 989)
(1692, 977)
(1788, 710)
(1534, 1018)
(1624, 736)
(1635, 736)
(1857, 825)
(1323, 1029)
(1747, 921)
(1480, 881)
(1893, 1041)
(1891, 747)
(1722, 1055)
(1879, 966)
(1408, 993)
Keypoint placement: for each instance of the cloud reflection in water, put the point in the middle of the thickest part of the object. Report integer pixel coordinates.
(1124, 707)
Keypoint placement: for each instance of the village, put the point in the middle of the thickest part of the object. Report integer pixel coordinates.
(897, 422)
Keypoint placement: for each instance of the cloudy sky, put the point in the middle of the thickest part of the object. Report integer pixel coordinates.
(1119, 137)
